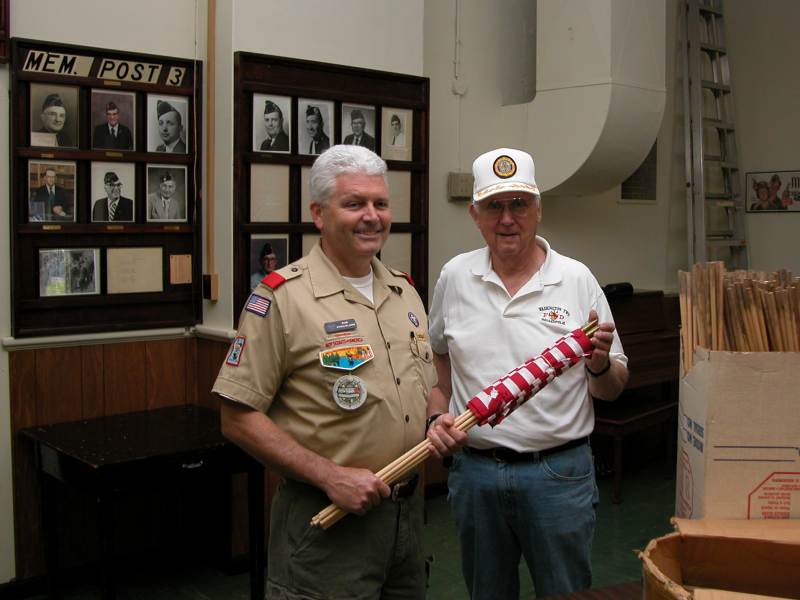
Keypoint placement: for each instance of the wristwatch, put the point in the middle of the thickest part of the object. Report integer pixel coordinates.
(429, 421)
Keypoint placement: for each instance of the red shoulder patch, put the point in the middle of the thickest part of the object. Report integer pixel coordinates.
(409, 280)
(273, 280)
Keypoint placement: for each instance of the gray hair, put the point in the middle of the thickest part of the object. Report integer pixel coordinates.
(342, 159)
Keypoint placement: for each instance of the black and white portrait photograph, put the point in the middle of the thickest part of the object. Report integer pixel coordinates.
(113, 192)
(51, 190)
(272, 123)
(113, 120)
(69, 271)
(396, 133)
(167, 124)
(54, 115)
(358, 125)
(166, 193)
(315, 128)
(268, 253)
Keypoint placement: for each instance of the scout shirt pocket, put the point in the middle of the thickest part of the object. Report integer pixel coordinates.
(423, 362)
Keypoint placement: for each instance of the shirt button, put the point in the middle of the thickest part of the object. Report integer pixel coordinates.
(294, 269)
(397, 381)
(389, 345)
(408, 418)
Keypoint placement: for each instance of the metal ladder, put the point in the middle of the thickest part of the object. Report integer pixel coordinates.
(715, 204)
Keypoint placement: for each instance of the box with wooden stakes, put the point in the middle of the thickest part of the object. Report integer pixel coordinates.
(739, 413)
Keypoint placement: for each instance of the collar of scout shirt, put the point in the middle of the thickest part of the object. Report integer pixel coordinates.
(326, 279)
(547, 274)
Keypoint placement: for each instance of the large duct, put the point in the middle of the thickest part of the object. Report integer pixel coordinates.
(600, 91)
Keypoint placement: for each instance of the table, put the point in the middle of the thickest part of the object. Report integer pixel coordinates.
(121, 454)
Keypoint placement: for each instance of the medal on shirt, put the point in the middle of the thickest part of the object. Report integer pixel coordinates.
(349, 392)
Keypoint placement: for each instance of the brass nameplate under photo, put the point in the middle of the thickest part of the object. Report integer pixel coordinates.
(132, 270)
(180, 269)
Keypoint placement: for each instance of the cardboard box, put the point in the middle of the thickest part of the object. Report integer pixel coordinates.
(724, 560)
(739, 436)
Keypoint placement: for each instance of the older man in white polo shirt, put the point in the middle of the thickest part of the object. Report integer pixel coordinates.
(527, 487)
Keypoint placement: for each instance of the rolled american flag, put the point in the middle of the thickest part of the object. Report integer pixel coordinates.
(491, 405)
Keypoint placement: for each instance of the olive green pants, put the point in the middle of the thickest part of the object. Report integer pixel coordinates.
(375, 557)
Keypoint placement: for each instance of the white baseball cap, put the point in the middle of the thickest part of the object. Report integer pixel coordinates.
(503, 170)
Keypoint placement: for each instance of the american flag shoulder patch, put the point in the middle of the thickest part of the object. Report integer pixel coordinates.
(258, 305)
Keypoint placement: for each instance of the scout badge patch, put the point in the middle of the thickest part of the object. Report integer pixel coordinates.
(349, 392)
(346, 358)
(235, 353)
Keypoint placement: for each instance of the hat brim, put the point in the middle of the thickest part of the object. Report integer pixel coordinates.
(506, 186)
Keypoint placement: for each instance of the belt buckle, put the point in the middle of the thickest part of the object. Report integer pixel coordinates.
(396, 490)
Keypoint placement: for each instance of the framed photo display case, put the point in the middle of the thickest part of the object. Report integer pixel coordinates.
(289, 111)
(105, 184)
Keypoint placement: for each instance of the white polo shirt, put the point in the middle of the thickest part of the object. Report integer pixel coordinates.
(487, 333)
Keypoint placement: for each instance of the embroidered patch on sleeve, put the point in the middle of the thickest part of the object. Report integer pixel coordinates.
(235, 353)
(258, 305)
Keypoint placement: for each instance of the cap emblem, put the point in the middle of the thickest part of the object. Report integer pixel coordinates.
(504, 166)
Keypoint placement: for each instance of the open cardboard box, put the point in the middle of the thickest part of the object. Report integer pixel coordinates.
(724, 560)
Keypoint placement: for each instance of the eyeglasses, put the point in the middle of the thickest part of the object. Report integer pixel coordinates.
(519, 207)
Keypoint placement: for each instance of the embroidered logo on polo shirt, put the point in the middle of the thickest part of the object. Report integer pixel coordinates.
(235, 353)
(553, 314)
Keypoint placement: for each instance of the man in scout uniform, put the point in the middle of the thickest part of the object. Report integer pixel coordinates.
(527, 487)
(326, 382)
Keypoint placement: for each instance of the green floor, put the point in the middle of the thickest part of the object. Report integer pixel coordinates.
(622, 530)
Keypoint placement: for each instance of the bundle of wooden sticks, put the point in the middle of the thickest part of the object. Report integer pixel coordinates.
(742, 311)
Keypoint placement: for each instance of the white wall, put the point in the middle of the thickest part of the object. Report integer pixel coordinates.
(596, 229)
(375, 34)
(764, 54)
(175, 28)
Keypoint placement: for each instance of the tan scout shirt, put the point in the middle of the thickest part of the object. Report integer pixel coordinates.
(280, 370)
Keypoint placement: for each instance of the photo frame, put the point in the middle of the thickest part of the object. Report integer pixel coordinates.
(397, 133)
(69, 271)
(268, 253)
(773, 191)
(51, 191)
(113, 120)
(315, 126)
(167, 119)
(272, 123)
(54, 115)
(166, 194)
(113, 192)
(358, 125)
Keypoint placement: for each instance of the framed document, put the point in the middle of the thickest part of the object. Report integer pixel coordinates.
(269, 193)
(130, 270)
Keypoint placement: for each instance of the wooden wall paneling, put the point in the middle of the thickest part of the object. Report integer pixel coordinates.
(124, 377)
(210, 355)
(58, 384)
(29, 552)
(165, 373)
(191, 370)
(94, 404)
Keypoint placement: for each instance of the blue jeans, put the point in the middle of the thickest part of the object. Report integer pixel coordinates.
(543, 510)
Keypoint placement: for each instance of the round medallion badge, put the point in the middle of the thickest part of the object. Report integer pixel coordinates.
(504, 166)
(349, 392)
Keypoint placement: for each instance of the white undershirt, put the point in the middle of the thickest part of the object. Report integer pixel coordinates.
(362, 284)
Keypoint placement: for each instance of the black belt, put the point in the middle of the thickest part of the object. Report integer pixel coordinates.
(404, 489)
(501, 454)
